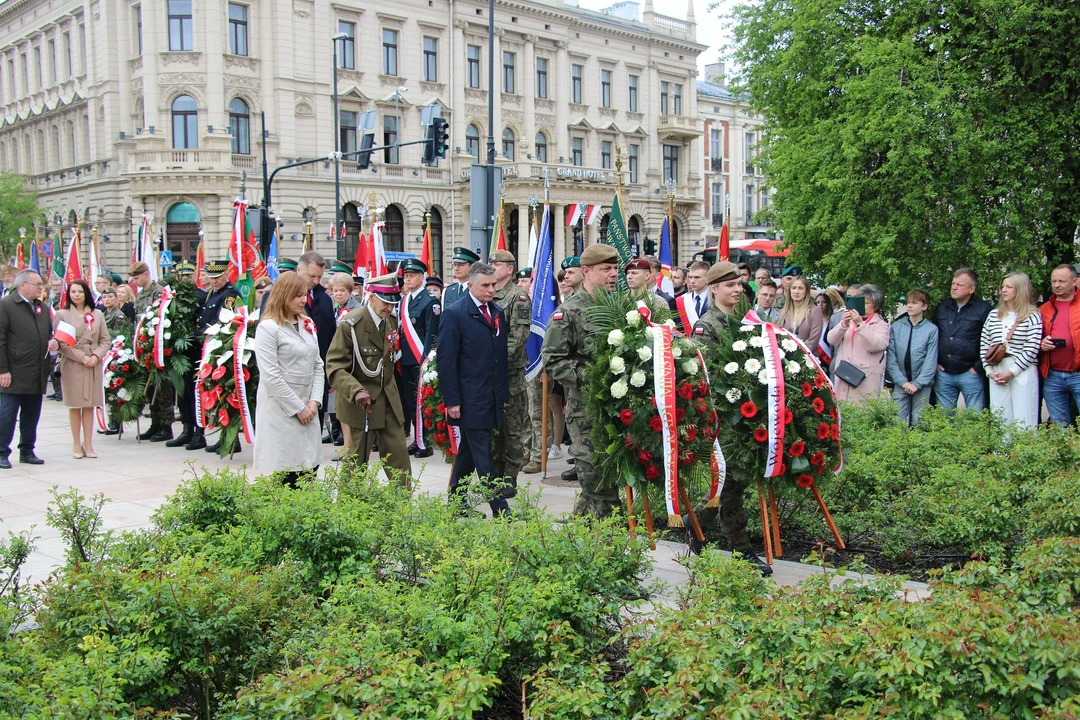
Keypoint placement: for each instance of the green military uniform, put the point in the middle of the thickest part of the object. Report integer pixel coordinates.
(509, 443)
(362, 355)
(118, 324)
(566, 354)
(163, 397)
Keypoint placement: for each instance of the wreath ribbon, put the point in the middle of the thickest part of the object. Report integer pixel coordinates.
(420, 406)
(200, 418)
(664, 390)
(99, 412)
(167, 295)
(239, 385)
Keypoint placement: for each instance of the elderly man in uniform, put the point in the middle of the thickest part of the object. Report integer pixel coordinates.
(725, 290)
(566, 354)
(515, 438)
(161, 399)
(463, 259)
(419, 317)
(360, 365)
(221, 294)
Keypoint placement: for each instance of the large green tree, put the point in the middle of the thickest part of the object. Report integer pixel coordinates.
(905, 139)
(18, 209)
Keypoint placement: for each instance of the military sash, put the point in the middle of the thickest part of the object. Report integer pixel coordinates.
(411, 336)
(687, 313)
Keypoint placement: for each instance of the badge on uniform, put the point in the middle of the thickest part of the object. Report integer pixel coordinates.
(436, 308)
(394, 340)
(556, 316)
(699, 331)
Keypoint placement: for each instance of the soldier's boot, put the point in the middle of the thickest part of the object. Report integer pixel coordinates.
(183, 438)
(164, 433)
(149, 432)
(198, 440)
(733, 518)
(531, 468)
(569, 475)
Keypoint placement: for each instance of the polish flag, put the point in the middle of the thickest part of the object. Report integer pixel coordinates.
(574, 215)
(592, 214)
(360, 263)
(65, 333)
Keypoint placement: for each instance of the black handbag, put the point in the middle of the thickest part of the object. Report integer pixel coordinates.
(850, 374)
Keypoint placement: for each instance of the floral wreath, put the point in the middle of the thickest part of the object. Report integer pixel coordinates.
(228, 378)
(431, 412)
(164, 333)
(123, 384)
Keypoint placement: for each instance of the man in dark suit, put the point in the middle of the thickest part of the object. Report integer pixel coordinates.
(472, 362)
(419, 316)
(320, 308)
(25, 341)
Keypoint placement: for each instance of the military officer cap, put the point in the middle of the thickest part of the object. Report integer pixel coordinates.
(385, 288)
(502, 256)
(599, 253)
(792, 271)
(465, 255)
(284, 264)
(414, 265)
(339, 267)
(523, 273)
(722, 272)
(433, 280)
(638, 264)
(358, 279)
(138, 268)
(184, 268)
(217, 268)
(571, 262)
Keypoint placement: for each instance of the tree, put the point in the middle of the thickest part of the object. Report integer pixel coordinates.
(18, 209)
(907, 139)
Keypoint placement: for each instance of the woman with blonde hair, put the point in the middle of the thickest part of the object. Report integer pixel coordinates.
(800, 315)
(1009, 346)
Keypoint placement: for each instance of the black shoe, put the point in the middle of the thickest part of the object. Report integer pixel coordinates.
(198, 440)
(213, 448)
(571, 461)
(149, 433)
(696, 546)
(52, 396)
(339, 441)
(5, 464)
(412, 448)
(750, 556)
(569, 475)
(165, 433)
(30, 459)
(426, 452)
(110, 431)
(183, 438)
(327, 439)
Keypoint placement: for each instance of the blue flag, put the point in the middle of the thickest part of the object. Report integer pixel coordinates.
(545, 296)
(664, 281)
(272, 256)
(35, 263)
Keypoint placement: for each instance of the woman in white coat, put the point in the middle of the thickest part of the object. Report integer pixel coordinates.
(1014, 379)
(287, 437)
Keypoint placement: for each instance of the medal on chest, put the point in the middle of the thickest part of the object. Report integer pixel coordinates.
(393, 340)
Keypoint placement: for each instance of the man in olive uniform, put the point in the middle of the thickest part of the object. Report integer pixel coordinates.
(509, 445)
(572, 266)
(221, 294)
(161, 399)
(463, 260)
(566, 353)
(360, 365)
(725, 291)
(418, 314)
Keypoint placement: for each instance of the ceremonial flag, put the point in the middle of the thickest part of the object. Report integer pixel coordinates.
(498, 234)
(664, 281)
(332, 235)
(144, 249)
(245, 262)
(20, 262)
(377, 258)
(592, 214)
(95, 264)
(545, 296)
(65, 333)
(200, 263)
(617, 238)
(360, 262)
(57, 269)
(272, 258)
(723, 251)
(426, 248)
(35, 263)
(73, 267)
(574, 215)
(532, 244)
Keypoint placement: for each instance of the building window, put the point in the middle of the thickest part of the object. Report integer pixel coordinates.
(605, 154)
(541, 147)
(508, 143)
(509, 72)
(671, 163)
(431, 59)
(346, 46)
(677, 100)
(542, 78)
(347, 128)
(11, 80)
(138, 31)
(82, 48)
(52, 61)
(38, 70)
(716, 150)
(634, 151)
(576, 72)
(390, 139)
(472, 66)
(180, 26)
(185, 123)
(749, 204)
(472, 141)
(633, 87)
(240, 127)
(576, 150)
(664, 92)
(67, 55)
(748, 151)
(389, 52)
(394, 230)
(717, 205)
(238, 29)
(605, 88)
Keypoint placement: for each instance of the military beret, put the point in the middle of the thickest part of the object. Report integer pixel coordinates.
(339, 267)
(217, 268)
(414, 265)
(115, 277)
(722, 272)
(138, 268)
(523, 273)
(433, 280)
(385, 288)
(638, 264)
(599, 253)
(791, 271)
(284, 264)
(571, 262)
(465, 255)
(502, 256)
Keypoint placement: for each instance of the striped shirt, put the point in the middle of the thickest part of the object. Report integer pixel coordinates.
(1024, 345)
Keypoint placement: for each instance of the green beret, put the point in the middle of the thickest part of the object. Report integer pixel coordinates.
(523, 273)
(572, 261)
(791, 270)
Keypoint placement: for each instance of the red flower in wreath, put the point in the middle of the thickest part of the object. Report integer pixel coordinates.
(223, 417)
(835, 431)
(687, 459)
(807, 390)
(783, 470)
(644, 457)
(440, 438)
(628, 443)
(691, 433)
(247, 374)
(819, 381)
(680, 415)
(428, 412)
(818, 469)
(204, 371)
(748, 409)
(819, 405)
(788, 417)
(833, 413)
(168, 352)
(653, 399)
(440, 425)
(428, 424)
(805, 481)
(656, 424)
(686, 391)
(119, 382)
(796, 449)
(626, 417)
(817, 458)
(125, 367)
(651, 473)
(702, 387)
(712, 418)
(219, 372)
(232, 400)
(441, 408)
(709, 433)
(823, 431)
(701, 406)
(761, 434)
(428, 391)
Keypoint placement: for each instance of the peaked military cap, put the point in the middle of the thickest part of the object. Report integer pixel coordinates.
(284, 264)
(184, 268)
(433, 280)
(217, 268)
(338, 267)
(465, 255)
(385, 288)
(414, 265)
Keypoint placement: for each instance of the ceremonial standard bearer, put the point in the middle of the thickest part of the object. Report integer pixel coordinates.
(162, 397)
(419, 316)
(510, 443)
(462, 260)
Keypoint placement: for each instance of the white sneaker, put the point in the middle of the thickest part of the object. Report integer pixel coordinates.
(554, 453)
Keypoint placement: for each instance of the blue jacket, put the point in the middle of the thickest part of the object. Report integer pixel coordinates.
(923, 342)
(959, 333)
(424, 311)
(471, 357)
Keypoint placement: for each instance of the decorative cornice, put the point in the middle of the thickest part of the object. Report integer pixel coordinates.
(241, 81)
(180, 58)
(242, 61)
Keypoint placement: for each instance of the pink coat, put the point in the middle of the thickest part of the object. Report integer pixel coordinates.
(864, 347)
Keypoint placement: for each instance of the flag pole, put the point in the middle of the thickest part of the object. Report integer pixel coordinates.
(428, 242)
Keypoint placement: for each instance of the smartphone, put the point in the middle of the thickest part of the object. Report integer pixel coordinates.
(1059, 343)
(858, 304)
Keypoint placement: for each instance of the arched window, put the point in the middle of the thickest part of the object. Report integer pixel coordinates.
(436, 242)
(240, 127)
(472, 141)
(633, 230)
(394, 235)
(508, 143)
(541, 147)
(185, 123)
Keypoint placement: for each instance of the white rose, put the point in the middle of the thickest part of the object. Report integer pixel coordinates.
(615, 338)
(747, 328)
(676, 352)
(617, 365)
(644, 352)
(752, 366)
(638, 378)
(789, 345)
(733, 395)
(633, 318)
(618, 389)
(763, 377)
(792, 368)
(731, 368)
(154, 320)
(651, 332)
(166, 323)
(757, 341)
(119, 340)
(690, 367)
(738, 346)
(150, 331)
(123, 394)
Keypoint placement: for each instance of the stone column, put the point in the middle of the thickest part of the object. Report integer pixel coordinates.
(559, 88)
(154, 27)
(529, 85)
(558, 233)
(457, 84)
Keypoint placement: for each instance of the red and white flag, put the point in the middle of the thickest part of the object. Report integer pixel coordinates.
(574, 216)
(376, 248)
(592, 214)
(65, 333)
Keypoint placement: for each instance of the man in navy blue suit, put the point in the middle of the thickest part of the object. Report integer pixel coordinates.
(471, 355)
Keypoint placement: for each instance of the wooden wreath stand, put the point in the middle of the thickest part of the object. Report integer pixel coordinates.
(770, 521)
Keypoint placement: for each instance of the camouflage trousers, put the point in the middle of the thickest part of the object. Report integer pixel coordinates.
(508, 445)
(533, 442)
(161, 404)
(595, 500)
(732, 512)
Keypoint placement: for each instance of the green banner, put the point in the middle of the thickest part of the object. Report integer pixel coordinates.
(617, 238)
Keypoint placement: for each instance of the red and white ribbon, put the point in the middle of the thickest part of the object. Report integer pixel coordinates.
(99, 411)
(159, 334)
(239, 340)
(419, 427)
(411, 336)
(664, 388)
(199, 419)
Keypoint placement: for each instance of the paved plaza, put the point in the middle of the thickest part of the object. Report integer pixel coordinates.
(136, 477)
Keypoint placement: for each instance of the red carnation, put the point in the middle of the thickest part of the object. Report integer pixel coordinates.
(807, 390)
(702, 387)
(428, 412)
(788, 417)
(119, 382)
(796, 449)
(656, 424)
(440, 438)
(712, 418)
(701, 406)
(428, 424)
(628, 443)
(761, 434)
(835, 434)
(644, 457)
(805, 481)
(440, 425)
(686, 391)
(748, 409)
(125, 367)
(441, 408)
(218, 373)
(223, 417)
(680, 414)
(817, 458)
(428, 391)
(626, 416)
(823, 431)
(651, 473)
(819, 405)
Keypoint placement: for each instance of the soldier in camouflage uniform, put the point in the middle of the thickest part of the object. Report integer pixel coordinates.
(509, 444)
(115, 319)
(725, 290)
(161, 399)
(566, 353)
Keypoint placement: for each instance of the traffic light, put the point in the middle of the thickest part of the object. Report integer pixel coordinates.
(650, 246)
(436, 141)
(363, 160)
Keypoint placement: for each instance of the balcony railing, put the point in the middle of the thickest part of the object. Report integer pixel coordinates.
(243, 162)
(679, 126)
(177, 159)
(716, 164)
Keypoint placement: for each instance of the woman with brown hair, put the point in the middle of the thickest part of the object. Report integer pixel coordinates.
(800, 315)
(80, 365)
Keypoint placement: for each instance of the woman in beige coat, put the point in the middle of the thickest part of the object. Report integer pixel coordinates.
(80, 365)
(862, 341)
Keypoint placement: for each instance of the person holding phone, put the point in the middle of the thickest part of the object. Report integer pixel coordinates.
(1059, 365)
(860, 339)
(1009, 347)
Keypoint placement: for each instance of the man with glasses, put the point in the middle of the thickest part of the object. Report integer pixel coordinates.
(25, 343)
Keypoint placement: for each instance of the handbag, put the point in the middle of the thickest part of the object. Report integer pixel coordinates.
(998, 351)
(850, 374)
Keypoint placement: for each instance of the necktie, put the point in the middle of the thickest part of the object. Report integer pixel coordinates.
(310, 300)
(697, 304)
(487, 315)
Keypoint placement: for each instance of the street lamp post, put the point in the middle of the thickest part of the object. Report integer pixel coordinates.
(337, 142)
